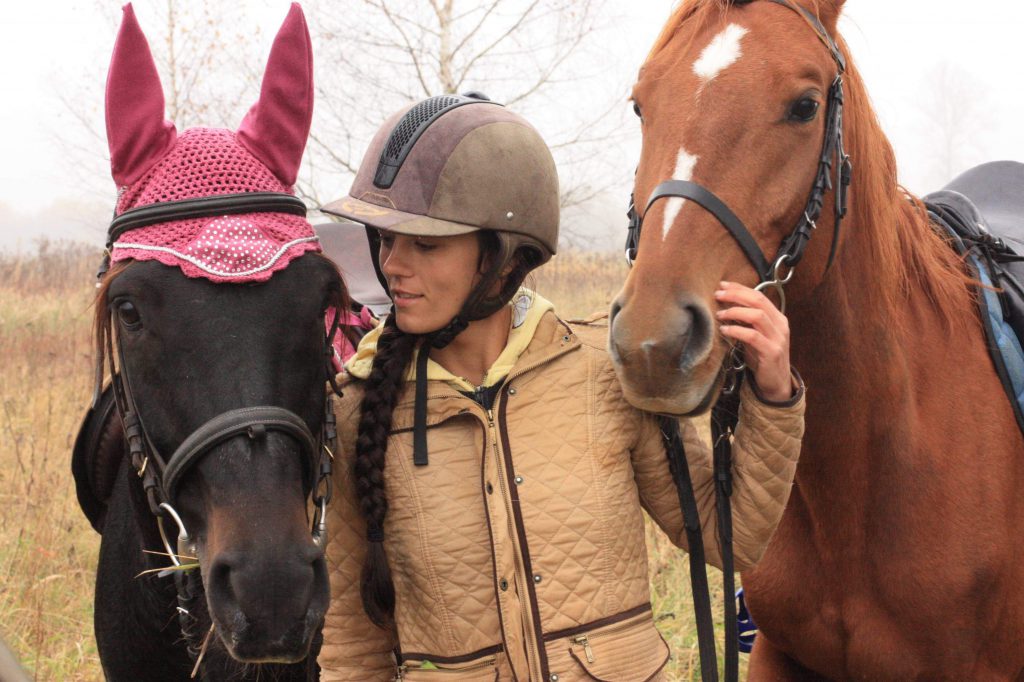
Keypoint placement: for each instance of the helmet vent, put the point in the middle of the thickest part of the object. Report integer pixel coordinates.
(404, 135)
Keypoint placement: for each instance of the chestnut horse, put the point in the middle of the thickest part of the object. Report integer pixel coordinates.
(899, 555)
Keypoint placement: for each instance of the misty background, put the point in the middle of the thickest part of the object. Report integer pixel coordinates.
(945, 77)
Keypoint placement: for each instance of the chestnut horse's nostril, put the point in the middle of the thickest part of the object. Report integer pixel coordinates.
(698, 323)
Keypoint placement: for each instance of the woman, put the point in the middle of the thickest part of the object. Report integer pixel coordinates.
(488, 518)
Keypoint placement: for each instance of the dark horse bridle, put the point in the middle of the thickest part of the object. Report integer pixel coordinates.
(161, 476)
(834, 172)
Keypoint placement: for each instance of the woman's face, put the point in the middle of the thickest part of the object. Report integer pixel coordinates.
(429, 277)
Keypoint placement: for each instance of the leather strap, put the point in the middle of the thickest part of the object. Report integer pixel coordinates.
(419, 431)
(711, 203)
(695, 544)
(251, 421)
(823, 35)
(204, 207)
(724, 417)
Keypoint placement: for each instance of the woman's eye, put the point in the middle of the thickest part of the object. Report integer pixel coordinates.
(425, 246)
(804, 110)
(128, 315)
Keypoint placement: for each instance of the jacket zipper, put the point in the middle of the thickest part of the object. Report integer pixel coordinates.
(584, 639)
(525, 601)
(487, 662)
(524, 598)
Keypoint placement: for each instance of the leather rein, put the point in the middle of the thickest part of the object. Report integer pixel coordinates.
(161, 476)
(834, 172)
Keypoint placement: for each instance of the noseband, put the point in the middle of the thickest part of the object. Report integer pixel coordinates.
(162, 476)
(775, 273)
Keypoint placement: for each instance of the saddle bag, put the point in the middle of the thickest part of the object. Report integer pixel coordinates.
(981, 213)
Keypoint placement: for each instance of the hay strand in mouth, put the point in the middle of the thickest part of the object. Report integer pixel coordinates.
(180, 556)
(167, 570)
(202, 652)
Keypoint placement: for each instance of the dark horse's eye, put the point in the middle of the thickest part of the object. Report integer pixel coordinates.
(803, 110)
(128, 315)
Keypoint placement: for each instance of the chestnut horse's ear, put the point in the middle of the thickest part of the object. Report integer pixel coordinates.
(137, 133)
(276, 128)
(830, 11)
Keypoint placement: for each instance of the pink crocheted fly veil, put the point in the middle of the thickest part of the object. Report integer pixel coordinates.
(255, 226)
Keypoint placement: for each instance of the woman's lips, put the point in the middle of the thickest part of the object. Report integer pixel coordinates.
(404, 299)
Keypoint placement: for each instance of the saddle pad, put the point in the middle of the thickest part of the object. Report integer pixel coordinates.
(996, 261)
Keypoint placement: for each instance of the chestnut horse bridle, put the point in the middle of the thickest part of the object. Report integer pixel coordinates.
(791, 250)
(834, 172)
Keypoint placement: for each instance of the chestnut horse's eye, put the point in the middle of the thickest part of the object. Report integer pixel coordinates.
(128, 315)
(803, 110)
(636, 110)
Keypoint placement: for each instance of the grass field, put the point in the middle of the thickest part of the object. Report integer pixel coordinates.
(48, 551)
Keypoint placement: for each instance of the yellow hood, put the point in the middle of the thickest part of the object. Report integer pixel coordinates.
(528, 308)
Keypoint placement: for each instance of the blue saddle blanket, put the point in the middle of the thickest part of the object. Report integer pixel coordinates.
(982, 213)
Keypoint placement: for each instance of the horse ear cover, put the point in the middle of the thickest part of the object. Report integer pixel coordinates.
(137, 133)
(276, 127)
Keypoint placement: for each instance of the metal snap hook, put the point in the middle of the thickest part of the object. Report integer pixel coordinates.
(320, 523)
(183, 538)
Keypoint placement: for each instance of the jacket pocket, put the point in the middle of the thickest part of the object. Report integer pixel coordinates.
(480, 670)
(630, 651)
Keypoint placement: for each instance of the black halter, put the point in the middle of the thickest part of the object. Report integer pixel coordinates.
(725, 413)
(791, 249)
(161, 476)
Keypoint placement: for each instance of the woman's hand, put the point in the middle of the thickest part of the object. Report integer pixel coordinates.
(764, 331)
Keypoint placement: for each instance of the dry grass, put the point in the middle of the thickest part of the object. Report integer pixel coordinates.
(48, 551)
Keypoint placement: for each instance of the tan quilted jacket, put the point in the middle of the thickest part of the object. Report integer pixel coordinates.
(518, 552)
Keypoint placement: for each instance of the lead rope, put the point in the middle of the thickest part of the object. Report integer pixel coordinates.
(695, 544)
(724, 417)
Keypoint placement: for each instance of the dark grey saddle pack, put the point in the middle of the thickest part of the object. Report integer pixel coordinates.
(982, 211)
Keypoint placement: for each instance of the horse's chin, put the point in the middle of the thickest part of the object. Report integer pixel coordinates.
(246, 645)
(687, 396)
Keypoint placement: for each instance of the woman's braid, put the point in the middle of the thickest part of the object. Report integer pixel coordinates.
(394, 351)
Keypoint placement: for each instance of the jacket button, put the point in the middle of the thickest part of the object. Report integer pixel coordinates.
(490, 488)
(511, 391)
(519, 480)
(553, 677)
(503, 584)
(536, 578)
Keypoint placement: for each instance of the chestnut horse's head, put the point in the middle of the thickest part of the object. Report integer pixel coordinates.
(733, 98)
(214, 315)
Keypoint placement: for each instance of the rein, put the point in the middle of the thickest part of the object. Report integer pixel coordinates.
(834, 172)
(161, 476)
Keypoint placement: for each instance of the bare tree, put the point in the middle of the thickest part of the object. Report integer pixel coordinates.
(956, 114)
(205, 59)
(374, 56)
(540, 57)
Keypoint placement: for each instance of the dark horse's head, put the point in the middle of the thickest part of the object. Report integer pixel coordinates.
(213, 312)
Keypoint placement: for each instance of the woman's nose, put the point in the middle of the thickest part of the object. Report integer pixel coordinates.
(393, 261)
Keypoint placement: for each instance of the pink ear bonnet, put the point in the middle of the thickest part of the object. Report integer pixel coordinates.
(248, 223)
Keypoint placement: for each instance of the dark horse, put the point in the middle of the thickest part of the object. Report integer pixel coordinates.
(899, 554)
(219, 382)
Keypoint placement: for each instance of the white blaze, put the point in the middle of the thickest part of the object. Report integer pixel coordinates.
(684, 171)
(721, 52)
